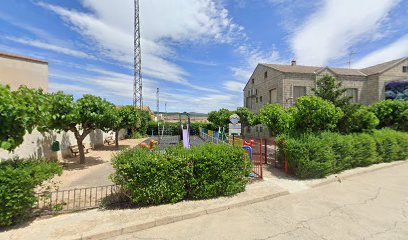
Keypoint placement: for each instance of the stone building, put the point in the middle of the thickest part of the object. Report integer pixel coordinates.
(283, 84)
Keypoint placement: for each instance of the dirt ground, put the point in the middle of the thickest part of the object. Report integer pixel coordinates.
(95, 171)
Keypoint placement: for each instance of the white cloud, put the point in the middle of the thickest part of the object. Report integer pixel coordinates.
(337, 25)
(395, 50)
(111, 29)
(234, 86)
(51, 47)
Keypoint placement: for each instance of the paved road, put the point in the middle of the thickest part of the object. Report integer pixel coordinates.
(369, 206)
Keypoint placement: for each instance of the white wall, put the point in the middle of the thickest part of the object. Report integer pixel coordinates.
(38, 144)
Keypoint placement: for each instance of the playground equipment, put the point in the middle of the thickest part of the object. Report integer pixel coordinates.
(184, 132)
(151, 145)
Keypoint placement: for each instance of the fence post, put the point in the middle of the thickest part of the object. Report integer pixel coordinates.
(260, 158)
(266, 152)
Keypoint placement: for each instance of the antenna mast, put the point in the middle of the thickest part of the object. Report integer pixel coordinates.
(137, 82)
(158, 100)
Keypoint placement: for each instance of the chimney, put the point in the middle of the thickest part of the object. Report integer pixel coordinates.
(293, 63)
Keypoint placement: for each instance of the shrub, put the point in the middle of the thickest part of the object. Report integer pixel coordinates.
(18, 179)
(357, 118)
(151, 177)
(391, 113)
(317, 155)
(276, 118)
(204, 171)
(314, 114)
(218, 170)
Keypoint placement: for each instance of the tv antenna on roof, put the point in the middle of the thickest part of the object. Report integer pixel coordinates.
(351, 53)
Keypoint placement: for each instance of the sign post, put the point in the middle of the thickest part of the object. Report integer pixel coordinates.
(234, 128)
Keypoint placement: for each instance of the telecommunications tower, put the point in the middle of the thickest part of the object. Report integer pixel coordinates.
(137, 81)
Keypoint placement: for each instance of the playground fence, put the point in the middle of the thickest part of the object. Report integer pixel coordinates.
(50, 202)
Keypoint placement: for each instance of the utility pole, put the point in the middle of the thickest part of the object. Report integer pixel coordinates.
(137, 81)
(158, 100)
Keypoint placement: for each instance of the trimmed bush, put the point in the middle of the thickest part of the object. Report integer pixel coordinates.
(357, 118)
(218, 170)
(391, 113)
(317, 155)
(205, 171)
(18, 179)
(151, 177)
(315, 115)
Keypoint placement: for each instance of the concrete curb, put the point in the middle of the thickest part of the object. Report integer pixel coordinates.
(181, 217)
(178, 218)
(363, 171)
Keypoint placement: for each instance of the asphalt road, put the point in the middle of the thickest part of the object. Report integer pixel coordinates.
(369, 206)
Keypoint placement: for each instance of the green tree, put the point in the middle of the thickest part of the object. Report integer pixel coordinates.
(81, 117)
(220, 118)
(246, 117)
(331, 90)
(21, 111)
(126, 117)
(276, 118)
(315, 114)
(145, 118)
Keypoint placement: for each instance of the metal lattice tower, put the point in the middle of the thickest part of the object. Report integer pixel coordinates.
(158, 100)
(137, 82)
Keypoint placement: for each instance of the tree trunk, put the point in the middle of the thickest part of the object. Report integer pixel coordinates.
(117, 138)
(81, 151)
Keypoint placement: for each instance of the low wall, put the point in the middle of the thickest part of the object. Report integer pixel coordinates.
(38, 145)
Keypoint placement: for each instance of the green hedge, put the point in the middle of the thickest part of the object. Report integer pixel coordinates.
(318, 155)
(173, 128)
(204, 171)
(18, 179)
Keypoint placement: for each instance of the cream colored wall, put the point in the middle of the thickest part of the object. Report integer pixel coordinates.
(16, 72)
(38, 145)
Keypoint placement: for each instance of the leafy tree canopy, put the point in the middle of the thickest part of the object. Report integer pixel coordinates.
(220, 118)
(331, 90)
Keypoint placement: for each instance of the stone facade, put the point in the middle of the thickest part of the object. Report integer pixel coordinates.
(287, 82)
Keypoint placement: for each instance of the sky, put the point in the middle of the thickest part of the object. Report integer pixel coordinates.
(199, 53)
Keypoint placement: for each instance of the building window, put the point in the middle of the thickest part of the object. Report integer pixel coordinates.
(253, 80)
(404, 68)
(256, 91)
(298, 91)
(273, 96)
(248, 102)
(249, 92)
(260, 129)
(257, 100)
(260, 98)
(353, 93)
(266, 74)
(256, 129)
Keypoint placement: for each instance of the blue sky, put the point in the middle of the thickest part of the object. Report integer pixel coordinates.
(199, 53)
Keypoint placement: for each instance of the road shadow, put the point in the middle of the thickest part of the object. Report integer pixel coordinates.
(111, 148)
(70, 164)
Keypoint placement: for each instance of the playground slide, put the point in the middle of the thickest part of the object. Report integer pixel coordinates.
(186, 138)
